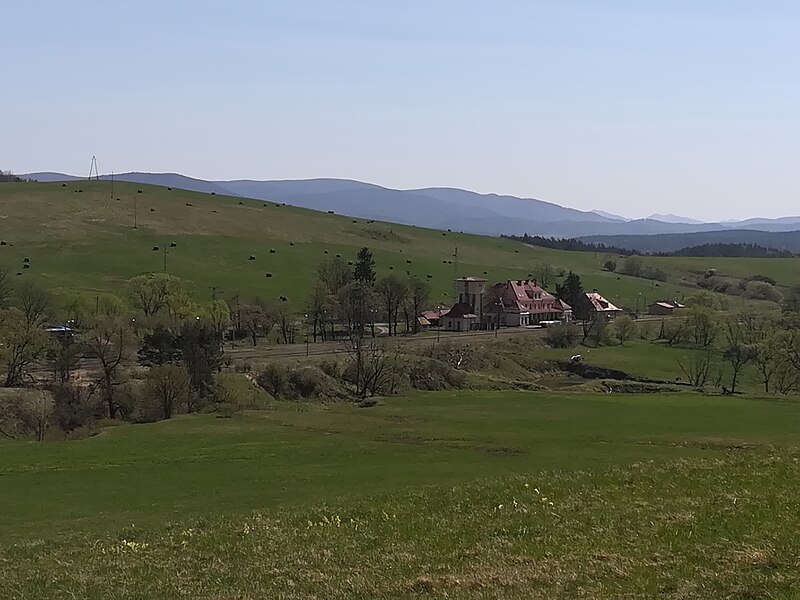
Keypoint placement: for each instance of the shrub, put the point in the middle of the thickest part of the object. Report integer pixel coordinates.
(331, 367)
(764, 278)
(226, 410)
(26, 413)
(432, 375)
(307, 382)
(565, 335)
(610, 265)
(273, 379)
(761, 290)
(240, 391)
(633, 266)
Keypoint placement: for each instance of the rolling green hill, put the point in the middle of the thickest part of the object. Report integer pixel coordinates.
(80, 238)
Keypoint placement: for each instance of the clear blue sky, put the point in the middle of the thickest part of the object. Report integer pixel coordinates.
(632, 106)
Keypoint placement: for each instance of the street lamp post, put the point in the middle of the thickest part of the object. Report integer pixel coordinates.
(306, 318)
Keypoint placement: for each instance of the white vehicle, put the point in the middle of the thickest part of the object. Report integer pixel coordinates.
(548, 323)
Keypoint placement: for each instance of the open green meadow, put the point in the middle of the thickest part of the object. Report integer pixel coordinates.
(85, 242)
(459, 495)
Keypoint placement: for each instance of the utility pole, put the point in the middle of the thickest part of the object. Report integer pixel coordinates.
(135, 213)
(455, 274)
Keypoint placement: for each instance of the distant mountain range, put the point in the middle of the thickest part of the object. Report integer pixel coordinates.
(442, 208)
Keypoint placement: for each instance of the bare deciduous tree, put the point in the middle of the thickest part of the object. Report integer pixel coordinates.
(255, 321)
(696, 367)
(35, 303)
(392, 292)
(112, 343)
(169, 386)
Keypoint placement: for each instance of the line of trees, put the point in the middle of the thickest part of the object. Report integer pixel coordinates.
(156, 351)
(731, 249)
(342, 293)
(722, 346)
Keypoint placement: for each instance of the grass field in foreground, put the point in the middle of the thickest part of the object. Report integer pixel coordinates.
(675, 494)
(85, 242)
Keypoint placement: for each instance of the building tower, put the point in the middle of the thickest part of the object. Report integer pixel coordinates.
(470, 290)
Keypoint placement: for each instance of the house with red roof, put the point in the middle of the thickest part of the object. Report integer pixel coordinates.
(519, 303)
(601, 306)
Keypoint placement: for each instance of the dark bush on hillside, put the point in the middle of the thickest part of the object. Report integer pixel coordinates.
(308, 382)
(331, 367)
(565, 335)
(432, 375)
(610, 265)
(72, 409)
(273, 379)
(302, 383)
(655, 273)
(636, 267)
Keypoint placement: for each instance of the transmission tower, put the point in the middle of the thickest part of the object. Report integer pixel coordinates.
(93, 169)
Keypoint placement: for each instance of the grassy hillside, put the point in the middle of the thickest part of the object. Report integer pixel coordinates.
(85, 241)
(471, 494)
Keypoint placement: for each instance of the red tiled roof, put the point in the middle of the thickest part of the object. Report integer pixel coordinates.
(523, 296)
(434, 314)
(600, 304)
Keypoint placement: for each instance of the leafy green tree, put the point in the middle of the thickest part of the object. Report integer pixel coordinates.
(202, 356)
(572, 292)
(158, 292)
(22, 343)
(624, 329)
(160, 347)
(218, 315)
(364, 271)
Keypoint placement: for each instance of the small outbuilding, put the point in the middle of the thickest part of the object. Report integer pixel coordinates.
(664, 307)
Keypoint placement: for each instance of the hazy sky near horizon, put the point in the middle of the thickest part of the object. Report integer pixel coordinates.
(630, 106)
